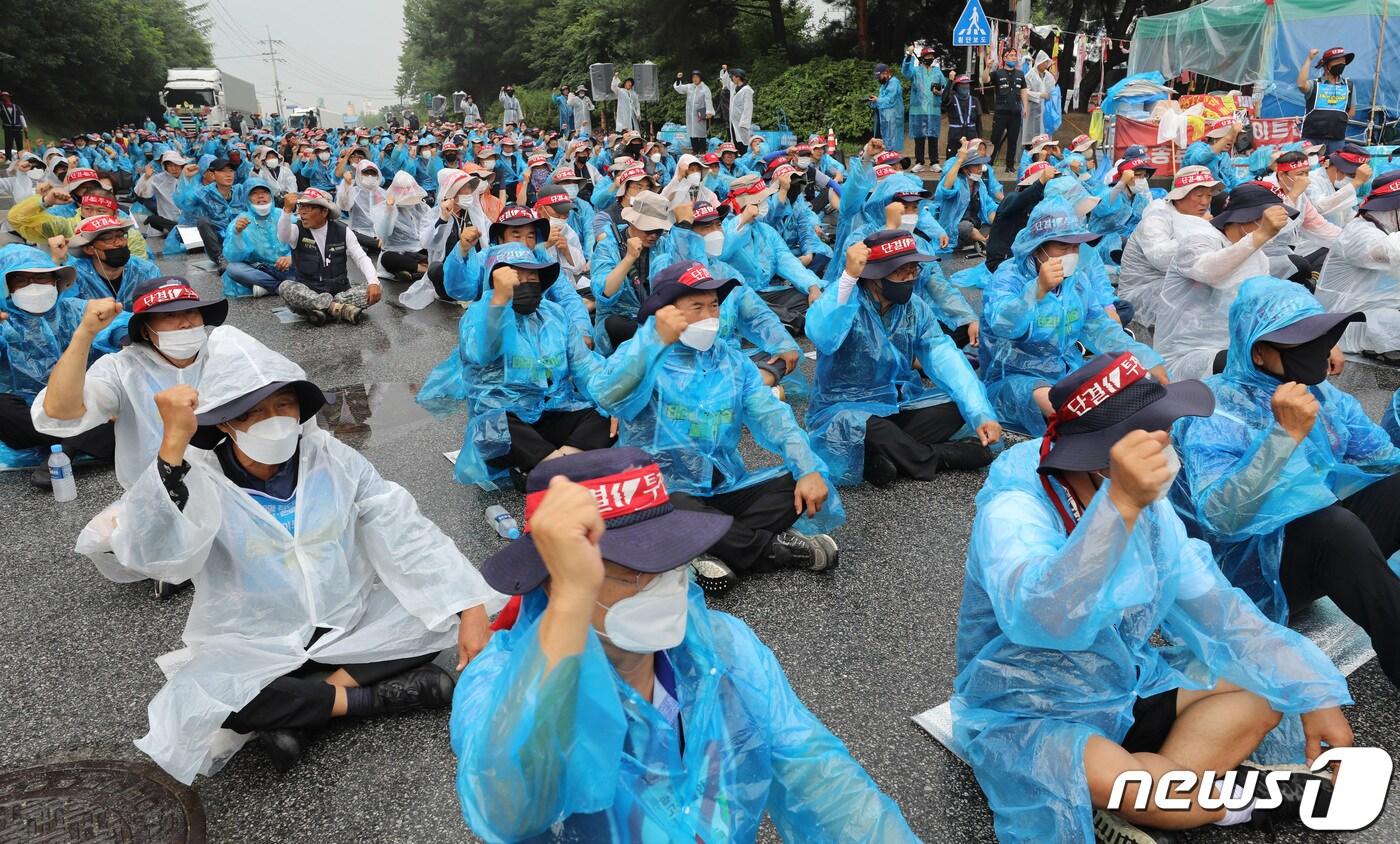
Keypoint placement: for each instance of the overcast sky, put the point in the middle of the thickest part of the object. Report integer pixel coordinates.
(336, 50)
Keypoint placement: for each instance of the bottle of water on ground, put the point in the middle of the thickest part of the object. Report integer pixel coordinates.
(61, 474)
(503, 522)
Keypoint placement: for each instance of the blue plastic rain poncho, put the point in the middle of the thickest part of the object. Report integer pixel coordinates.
(689, 411)
(320, 174)
(91, 285)
(888, 108)
(925, 104)
(762, 257)
(359, 559)
(948, 303)
(627, 299)
(953, 202)
(208, 203)
(464, 279)
(1029, 341)
(608, 766)
(743, 314)
(1243, 479)
(1054, 643)
(865, 367)
(1220, 164)
(1118, 213)
(796, 223)
(30, 344)
(257, 245)
(1390, 420)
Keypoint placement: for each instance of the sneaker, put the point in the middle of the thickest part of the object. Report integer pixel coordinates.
(40, 479)
(831, 549)
(259, 292)
(1111, 829)
(404, 277)
(164, 590)
(428, 687)
(1291, 789)
(283, 747)
(880, 470)
(712, 575)
(313, 316)
(804, 552)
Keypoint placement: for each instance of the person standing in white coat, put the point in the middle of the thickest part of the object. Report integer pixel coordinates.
(511, 110)
(1040, 86)
(1153, 245)
(1362, 273)
(471, 113)
(736, 82)
(307, 564)
(629, 105)
(582, 108)
(1213, 259)
(699, 110)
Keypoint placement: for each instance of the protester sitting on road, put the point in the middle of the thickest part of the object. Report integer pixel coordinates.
(1151, 248)
(1213, 151)
(157, 187)
(791, 215)
(965, 208)
(624, 263)
(1073, 566)
(1296, 489)
(400, 221)
(322, 252)
(37, 322)
(273, 170)
(106, 268)
(1334, 189)
(358, 194)
(1015, 211)
(1362, 273)
(214, 206)
(272, 648)
(29, 218)
(610, 626)
(762, 257)
(556, 208)
(1298, 251)
(873, 415)
(1121, 206)
(689, 410)
(530, 379)
(257, 259)
(1039, 308)
(1213, 258)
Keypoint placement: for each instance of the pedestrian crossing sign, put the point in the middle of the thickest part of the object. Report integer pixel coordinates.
(972, 29)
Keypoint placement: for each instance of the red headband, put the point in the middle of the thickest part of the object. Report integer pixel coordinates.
(518, 212)
(163, 294)
(552, 199)
(893, 248)
(1193, 179)
(106, 203)
(1290, 166)
(619, 495)
(756, 187)
(695, 275)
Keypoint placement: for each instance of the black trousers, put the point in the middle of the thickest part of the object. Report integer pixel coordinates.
(160, 223)
(791, 307)
(529, 444)
(620, 329)
(1340, 551)
(917, 441)
(369, 243)
(760, 512)
(922, 144)
(14, 141)
(403, 262)
(213, 239)
(435, 276)
(303, 699)
(17, 431)
(956, 135)
(1006, 127)
(699, 146)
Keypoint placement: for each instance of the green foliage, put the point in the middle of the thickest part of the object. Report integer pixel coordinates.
(819, 95)
(110, 63)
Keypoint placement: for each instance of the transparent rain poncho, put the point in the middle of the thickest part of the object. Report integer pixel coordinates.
(90, 285)
(865, 367)
(1242, 477)
(1054, 643)
(689, 410)
(578, 755)
(1362, 273)
(361, 560)
(1029, 342)
(1390, 420)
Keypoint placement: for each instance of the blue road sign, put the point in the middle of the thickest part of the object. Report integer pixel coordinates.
(972, 29)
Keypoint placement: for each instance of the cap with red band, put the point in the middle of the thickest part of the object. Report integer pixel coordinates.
(887, 156)
(622, 499)
(883, 170)
(82, 174)
(632, 174)
(163, 295)
(106, 203)
(893, 248)
(784, 170)
(756, 187)
(1388, 189)
(552, 199)
(1195, 177)
(518, 212)
(1034, 171)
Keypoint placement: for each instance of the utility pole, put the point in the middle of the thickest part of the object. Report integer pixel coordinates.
(271, 56)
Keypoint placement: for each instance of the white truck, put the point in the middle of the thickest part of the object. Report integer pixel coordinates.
(207, 94)
(325, 118)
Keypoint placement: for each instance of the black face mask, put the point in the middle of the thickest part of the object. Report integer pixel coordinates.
(1337, 70)
(795, 188)
(1306, 363)
(962, 89)
(526, 298)
(449, 158)
(116, 257)
(896, 292)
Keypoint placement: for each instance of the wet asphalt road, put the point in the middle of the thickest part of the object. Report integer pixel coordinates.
(866, 647)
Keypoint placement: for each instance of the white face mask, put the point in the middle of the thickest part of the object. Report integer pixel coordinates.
(182, 344)
(1069, 262)
(483, 187)
(763, 209)
(425, 154)
(803, 163)
(1340, 183)
(976, 177)
(34, 175)
(908, 221)
(700, 336)
(692, 179)
(324, 156)
(261, 209)
(714, 244)
(655, 158)
(653, 619)
(271, 442)
(370, 182)
(488, 163)
(1141, 188)
(272, 161)
(571, 190)
(1313, 161)
(36, 298)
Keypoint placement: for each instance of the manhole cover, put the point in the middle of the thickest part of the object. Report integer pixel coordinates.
(97, 803)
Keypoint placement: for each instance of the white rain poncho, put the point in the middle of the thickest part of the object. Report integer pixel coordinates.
(1362, 273)
(362, 561)
(1193, 311)
(359, 201)
(1147, 256)
(678, 191)
(404, 225)
(1338, 205)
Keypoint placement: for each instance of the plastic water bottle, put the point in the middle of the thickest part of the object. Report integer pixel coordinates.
(61, 474)
(498, 518)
